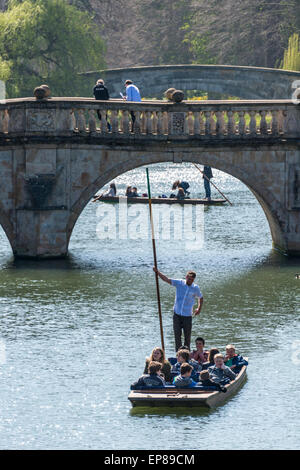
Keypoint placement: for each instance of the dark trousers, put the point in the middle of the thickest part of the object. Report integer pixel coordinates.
(182, 323)
(207, 188)
(108, 123)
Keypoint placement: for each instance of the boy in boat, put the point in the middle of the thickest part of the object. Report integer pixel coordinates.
(184, 380)
(233, 360)
(205, 381)
(220, 373)
(153, 379)
(183, 357)
(207, 175)
(199, 354)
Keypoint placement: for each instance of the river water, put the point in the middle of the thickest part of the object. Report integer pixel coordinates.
(74, 333)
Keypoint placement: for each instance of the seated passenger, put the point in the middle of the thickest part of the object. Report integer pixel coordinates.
(181, 184)
(199, 354)
(205, 381)
(158, 355)
(184, 380)
(210, 360)
(128, 191)
(233, 360)
(183, 356)
(220, 373)
(112, 191)
(180, 194)
(133, 192)
(153, 379)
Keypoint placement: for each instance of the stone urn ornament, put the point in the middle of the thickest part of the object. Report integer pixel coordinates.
(42, 92)
(176, 96)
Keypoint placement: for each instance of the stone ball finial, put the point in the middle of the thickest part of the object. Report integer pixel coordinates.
(168, 93)
(48, 91)
(177, 96)
(174, 95)
(39, 93)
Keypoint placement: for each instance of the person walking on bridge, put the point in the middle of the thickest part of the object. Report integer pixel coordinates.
(132, 94)
(186, 293)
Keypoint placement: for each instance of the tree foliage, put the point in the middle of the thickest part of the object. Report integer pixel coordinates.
(291, 58)
(244, 32)
(47, 41)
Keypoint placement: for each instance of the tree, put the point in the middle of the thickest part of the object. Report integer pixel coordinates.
(291, 59)
(245, 32)
(47, 41)
(161, 31)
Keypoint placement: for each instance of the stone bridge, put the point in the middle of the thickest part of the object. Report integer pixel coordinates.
(55, 155)
(242, 82)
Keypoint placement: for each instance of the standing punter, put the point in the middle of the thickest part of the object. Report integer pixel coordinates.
(186, 293)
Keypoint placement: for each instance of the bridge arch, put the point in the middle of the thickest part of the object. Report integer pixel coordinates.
(274, 211)
(241, 81)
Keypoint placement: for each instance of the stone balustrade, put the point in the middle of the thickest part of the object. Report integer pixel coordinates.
(153, 119)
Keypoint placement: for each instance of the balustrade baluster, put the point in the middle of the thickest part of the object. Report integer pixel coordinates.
(154, 122)
(252, 125)
(213, 124)
(143, 123)
(72, 120)
(207, 122)
(186, 123)
(92, 121)
(148, 122)
(263, 123)
(202, 123)
(165, 122)
(282, 122)
(137, 122)
(196, 124)
(274, 125)
(220, 123)
(81, 124)
(103, 123)
(125, 122)
(159, 123)
(114, 121)
(230, 124)
(242, 123)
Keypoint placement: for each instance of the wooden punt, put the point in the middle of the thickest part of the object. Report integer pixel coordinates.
(161, 200)
(189, 397)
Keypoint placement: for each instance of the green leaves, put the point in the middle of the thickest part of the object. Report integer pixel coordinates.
(47, 41)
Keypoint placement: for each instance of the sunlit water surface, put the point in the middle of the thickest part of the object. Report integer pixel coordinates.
(74, 333)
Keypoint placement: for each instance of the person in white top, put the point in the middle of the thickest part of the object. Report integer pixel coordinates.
(186, 293)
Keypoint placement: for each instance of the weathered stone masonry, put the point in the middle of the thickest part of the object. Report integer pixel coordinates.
(54, 157)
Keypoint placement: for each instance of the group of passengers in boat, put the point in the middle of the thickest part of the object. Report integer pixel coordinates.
(181, 186)
(205, 369)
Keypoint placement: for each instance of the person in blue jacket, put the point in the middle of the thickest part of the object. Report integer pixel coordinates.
(233, 360)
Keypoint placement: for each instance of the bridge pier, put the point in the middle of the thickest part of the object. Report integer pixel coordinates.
(50, 168)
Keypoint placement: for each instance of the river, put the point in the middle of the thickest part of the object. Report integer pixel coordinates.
(74, 333)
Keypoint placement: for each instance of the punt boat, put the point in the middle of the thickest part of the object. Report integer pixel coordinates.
(160, 200)
(188, 397)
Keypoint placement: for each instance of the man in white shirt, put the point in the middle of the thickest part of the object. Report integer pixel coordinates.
(186, 293)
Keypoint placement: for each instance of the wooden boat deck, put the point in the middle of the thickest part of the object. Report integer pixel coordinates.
(188, 397)
(158, 200)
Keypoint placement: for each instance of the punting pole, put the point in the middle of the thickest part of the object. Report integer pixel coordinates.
(155, 262)
(212, 183)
